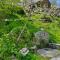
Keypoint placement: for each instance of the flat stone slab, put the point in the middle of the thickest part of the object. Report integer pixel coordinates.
(47, 52)
(56, 58)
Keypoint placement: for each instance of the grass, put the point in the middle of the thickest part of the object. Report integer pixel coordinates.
(10, 30)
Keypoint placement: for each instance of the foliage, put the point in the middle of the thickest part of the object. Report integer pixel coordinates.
(12, 22)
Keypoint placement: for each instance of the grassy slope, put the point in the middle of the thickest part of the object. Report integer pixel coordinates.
(8, 44)
(53, 29)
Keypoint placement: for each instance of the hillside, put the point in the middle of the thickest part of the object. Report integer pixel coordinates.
(27, 28)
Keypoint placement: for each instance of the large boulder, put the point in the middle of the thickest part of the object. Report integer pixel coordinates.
(42, 38)
(54, 46)
(32, 5)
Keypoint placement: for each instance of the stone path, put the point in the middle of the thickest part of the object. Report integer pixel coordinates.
(56, 58)
(46, 52)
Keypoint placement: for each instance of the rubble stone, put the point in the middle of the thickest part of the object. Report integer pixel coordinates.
(24, 51)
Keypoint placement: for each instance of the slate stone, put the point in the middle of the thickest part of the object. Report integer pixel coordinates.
(47, 52)
(56, 58)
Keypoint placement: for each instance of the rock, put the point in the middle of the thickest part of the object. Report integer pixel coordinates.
(47, 52)
(32, 5)
(42, 35)
(24, 51)
(58, 14)
(56, 58)
(54, 46)
(42, 38)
